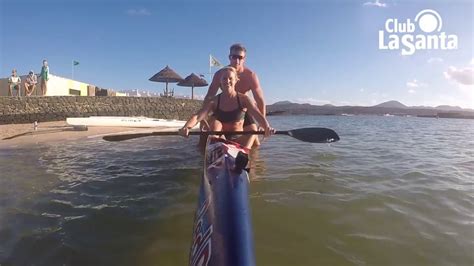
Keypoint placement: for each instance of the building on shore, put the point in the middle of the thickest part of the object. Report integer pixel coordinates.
(59, 86)
(140, 93)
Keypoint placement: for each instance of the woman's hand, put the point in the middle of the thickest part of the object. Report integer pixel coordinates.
(184, 131)
(269, 131)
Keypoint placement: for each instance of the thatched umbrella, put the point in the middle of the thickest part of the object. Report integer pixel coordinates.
(193, 81)
(167, 75)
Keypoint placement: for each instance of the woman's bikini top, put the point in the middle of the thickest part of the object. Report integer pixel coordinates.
(229, 116)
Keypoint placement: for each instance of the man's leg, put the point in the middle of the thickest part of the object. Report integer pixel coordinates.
(250, 125)
(10, 90)
(32, 89)
(205, 125)
(28, 89)
(247, 141)
(210, 126)
(18, 87)
(43, 87)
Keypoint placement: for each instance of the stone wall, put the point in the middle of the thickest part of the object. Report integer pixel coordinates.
(15, 110)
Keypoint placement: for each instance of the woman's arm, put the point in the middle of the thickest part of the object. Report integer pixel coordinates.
(196, 118)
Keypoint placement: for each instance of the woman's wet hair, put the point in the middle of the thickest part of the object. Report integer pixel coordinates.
(231, 69)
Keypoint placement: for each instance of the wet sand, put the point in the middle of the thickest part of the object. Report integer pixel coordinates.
(20, 135)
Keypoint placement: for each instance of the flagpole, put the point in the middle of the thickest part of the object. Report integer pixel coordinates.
(210, 77)
(72, 69)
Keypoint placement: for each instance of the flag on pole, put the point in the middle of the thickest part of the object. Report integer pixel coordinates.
(213, 62)
(75, 63)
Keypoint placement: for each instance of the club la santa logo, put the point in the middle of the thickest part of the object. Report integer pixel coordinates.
(422, 34)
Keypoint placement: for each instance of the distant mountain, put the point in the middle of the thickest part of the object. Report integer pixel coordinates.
(282, 102)
(391, 104)
(448, 108)
(390, 107)
(443, 108)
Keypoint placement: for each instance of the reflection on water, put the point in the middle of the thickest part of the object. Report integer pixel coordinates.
(103, 203)
(257, 165)
(393, 191)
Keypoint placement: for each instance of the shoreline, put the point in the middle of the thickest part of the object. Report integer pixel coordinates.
(24, 135)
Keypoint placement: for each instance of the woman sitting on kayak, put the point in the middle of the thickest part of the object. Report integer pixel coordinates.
(229, 110)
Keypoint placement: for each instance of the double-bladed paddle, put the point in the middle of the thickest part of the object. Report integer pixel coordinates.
(311, 134)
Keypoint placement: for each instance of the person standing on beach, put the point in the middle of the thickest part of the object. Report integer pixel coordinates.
(14, 83)
(247, 81)
(30, 83)
(44, 77)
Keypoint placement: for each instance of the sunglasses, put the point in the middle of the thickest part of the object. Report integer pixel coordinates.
(235, 57)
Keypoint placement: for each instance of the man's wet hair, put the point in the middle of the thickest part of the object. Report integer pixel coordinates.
(237, 47)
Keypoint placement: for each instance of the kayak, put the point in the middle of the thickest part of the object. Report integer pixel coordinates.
(222, 233)
(123, 121)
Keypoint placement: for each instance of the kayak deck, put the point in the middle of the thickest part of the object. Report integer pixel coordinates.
(222, 233)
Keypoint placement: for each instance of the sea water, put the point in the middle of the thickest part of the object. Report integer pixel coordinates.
(392, 191)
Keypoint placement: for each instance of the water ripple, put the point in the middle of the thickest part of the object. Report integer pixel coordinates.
(391, 186)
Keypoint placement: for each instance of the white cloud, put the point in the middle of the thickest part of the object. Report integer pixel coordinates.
(435, 60)
(377, 3)
(463, 76)
(464, 80)
(362, 90)
(412, 84)
(472, 61)
(415, 84)
(412, 91)
(138, 12)
(467, 90)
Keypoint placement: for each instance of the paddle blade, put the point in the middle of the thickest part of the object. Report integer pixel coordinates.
(314, 134)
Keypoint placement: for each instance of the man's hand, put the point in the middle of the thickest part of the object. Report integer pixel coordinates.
(184, 131)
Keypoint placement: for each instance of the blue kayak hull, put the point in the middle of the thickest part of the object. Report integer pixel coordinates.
(222, 233)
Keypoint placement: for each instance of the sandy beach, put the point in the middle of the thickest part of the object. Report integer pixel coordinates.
(22, 135)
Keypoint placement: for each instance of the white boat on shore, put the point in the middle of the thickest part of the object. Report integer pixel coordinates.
(124, 121)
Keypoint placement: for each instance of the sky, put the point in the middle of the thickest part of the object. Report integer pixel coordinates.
(317, 52)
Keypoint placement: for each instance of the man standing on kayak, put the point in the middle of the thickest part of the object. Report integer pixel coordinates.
(248, 81)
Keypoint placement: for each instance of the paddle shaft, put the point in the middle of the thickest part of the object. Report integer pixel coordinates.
(167, 133)
(175, 133)
(314, 135)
